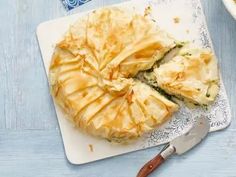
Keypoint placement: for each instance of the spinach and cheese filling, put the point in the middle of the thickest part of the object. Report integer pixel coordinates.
(192, 75)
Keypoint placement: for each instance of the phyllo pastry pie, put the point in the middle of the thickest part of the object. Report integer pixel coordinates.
(93, 68)
(192, 75)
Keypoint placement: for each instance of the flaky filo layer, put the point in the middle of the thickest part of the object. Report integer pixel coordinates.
(92, 70)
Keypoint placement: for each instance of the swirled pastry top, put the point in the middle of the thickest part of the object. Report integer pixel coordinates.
(192, 75)
(92, 68)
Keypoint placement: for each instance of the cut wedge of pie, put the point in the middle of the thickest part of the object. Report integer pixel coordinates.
(192, 75)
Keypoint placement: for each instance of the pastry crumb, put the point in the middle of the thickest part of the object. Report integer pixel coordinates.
(176, 19)
(147, 11)
(187, 31)
(90, 147)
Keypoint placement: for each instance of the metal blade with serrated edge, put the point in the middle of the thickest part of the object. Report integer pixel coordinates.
(194, 136)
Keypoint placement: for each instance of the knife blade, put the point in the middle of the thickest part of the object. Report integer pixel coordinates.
(179, 145)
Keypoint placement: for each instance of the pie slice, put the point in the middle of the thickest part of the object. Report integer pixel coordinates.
(192, 75)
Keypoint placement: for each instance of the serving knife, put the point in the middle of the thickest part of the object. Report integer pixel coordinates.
(178, 146)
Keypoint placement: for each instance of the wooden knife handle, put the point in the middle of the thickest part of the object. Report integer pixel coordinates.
(150, 166)
(156, 161)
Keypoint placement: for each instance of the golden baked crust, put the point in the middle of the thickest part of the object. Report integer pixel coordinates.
(92, 68)
(192, 75)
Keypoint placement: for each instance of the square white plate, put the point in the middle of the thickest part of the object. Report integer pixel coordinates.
(191, 27)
